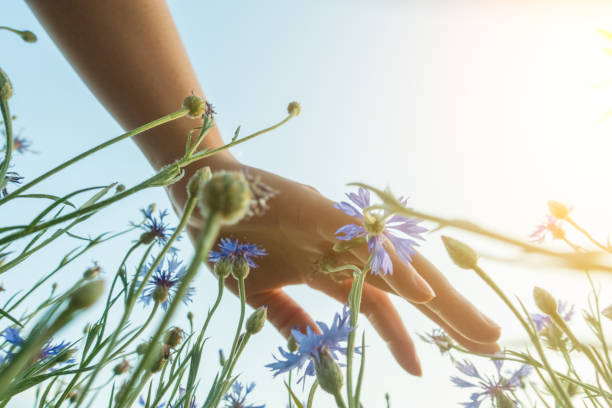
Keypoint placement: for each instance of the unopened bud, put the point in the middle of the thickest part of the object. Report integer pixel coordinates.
(292, 344)
(544, 301)
(86, 295)
(222, 268)
(607, 312)
(174, 337)
(54, 287)
(256, 321)
(65, 355)
(462, 255)
(6, 88)
(142, 348)
(147, 237)
(92, 272)
(328, 372)
(240, 268)
(222, 359)
(198, 179)
(294, 108)
(226, 194)
(195, 105)
(558, 210)
(74, 396)
(190, 316)
(28, 36)
(122, 367)
(160, 294)
(161, 355)
(120, 188)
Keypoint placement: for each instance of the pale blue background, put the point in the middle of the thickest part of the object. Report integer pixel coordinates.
(476, 111)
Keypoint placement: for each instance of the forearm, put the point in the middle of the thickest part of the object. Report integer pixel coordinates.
(130, 55)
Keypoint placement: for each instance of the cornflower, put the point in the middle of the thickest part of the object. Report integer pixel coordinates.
(311, 344)
(163, 283)
(21, 145)
(550, 226)
(550, 332)
(236, 397)
(497, 388)
(230, 250)
(380, 228)
(154, 227)
(10, 177)
(49, 350)
(439, 338)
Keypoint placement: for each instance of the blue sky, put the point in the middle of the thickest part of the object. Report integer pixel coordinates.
(478, 111)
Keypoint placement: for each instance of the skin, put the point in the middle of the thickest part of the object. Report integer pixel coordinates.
(130, 55)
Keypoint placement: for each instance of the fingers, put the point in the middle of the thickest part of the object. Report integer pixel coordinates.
(483, 348)
(381, 313)
(283, 312)
(455, 309)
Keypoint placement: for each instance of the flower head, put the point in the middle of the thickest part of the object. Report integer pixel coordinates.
(310, 344)
(439, 338)
(543, 321)
(154, 227)
(550, 226)
(497, 388)
(164, 282)
(48, 350)
(21, 144)
(237, 396)
(380, 228)
(10, 177)
(233, 250)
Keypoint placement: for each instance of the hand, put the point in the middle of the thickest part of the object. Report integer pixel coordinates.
(298, 231)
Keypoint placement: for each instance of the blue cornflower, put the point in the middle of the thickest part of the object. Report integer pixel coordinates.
(497, 388)
(543, 321)
(143, 403)
(231, 250)
(10, 177)
(163, 283)
(155, 227)
(12, 336)
(236, 397)
(380, 228)
(311, 344)
(21, 145)
(439, 338)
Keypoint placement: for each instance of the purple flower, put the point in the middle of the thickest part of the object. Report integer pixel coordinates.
(10, 177)
(166, 279)
(155, 227)
(543, 321)
(550, 226)
(236, 397)
(495, 388)
(380, 228)
(49, 350)
(439, 338)
(231, 250)
(311, 344)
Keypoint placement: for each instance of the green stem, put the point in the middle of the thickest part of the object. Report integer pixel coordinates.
(138, 333)
(355, 303)
(8, 129)
(157, 122)
(212, 310)
(339, 401)
(205, 241)
(587, 234)
(533, 336)
(311, 394)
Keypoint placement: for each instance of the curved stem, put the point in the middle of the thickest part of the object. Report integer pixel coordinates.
(339, 401)
(8, 129)
(587, 234)
(212, 311)
(311, 394)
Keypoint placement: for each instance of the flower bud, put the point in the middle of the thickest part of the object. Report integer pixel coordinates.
(142, 348)
(503, 401)
(174, 337)
(544, 301)
(294, 108)
(160, 294)
(28, 36)
(226, 194)
(328, 372)
(462, 255)
(122, 367)
(65, 355)
(146, 237)
(195, 105)
(256, 321)
(223, 268)
(607, 312)
(86, 295)
(190, 316)
(222, 359)
(120, 188)
(74, 396)
(6, 88)
(292, 344)
(92, 272)
(199, 178)
(558, 210)
(161, 355)
(240, 268)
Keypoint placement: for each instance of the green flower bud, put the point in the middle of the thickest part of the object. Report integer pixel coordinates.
(120, 188)
(222, 359)
(190, 316)
(122, 367)
(146, 237)
(6, 88)
(28, 36)
(174, 337)
(240, 269)
(160, 294)
(558, 210)
(86, 295)
(226, 194)
(503, 401)
(292, 344)
(462, 255)
(91, 273)
(294, 108)
(142, 348)
(544, 301)
(223, 268)
(198, 179)
(256, 321)
(328, 373)
(195, 105)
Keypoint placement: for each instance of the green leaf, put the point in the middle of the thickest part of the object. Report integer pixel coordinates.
(293, 397)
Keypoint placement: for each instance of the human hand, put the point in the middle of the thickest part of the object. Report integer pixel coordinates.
(298, 232)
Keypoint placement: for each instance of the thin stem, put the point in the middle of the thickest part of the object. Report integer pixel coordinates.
(587, 234)
(339, 401)
(8, 129)
(212, 310)
(138, 333)
(311, 394)
(157, 122)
